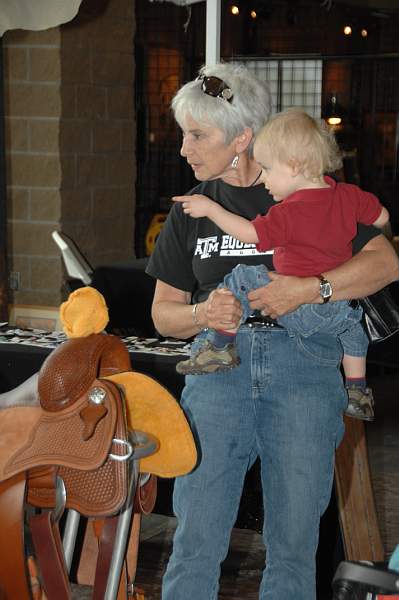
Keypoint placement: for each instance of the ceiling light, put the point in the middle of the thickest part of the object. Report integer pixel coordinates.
(234, 9)
(364, 33)
(347, 30)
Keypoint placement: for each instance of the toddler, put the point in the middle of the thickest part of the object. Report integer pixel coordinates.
(311, 229)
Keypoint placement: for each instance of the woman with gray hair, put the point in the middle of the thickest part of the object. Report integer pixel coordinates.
(284, 402)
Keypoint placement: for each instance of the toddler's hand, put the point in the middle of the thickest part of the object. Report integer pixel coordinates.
(196, 205)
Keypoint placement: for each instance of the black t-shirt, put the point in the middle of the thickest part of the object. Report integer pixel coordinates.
(194, 255)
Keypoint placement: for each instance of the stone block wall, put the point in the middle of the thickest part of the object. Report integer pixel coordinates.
(33, 108)
(70, 146)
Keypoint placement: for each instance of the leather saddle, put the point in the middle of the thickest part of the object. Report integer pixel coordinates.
(65, 443)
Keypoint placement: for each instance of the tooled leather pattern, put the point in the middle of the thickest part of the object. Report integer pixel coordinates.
(57, 438)
(103, 491)
(68, 372)
(98, 492)
(72, 371)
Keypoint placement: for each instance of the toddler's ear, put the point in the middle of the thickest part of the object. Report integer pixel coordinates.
(296, 167)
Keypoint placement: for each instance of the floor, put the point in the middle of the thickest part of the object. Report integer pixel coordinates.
(243, 567)
(241, 571)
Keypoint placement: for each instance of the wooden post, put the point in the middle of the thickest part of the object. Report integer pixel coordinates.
(355, 498)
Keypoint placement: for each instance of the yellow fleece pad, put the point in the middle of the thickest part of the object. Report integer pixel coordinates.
(151, 408)
(84, 313)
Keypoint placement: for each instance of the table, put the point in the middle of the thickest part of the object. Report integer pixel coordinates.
(18, 361)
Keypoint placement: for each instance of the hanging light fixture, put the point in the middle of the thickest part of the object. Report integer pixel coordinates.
(334, 112)
(348, 30)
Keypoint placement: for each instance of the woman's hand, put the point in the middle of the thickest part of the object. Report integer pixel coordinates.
(196, 205)
(172, 311)
(284, 294)
(222, 310)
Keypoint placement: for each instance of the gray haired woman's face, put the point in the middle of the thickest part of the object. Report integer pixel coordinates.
(205, 149)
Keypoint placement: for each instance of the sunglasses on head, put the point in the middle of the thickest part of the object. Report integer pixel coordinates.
(213, 86)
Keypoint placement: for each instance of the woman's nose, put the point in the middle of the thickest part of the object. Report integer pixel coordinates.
(184, 147)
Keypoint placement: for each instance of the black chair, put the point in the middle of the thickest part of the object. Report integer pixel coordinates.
(128, 292)
(357, 580)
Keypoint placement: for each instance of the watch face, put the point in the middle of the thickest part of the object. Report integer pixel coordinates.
(325, 290)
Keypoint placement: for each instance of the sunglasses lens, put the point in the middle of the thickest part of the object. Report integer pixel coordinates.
(213, 86)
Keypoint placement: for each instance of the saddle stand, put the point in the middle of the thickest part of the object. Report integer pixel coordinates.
(64, 443)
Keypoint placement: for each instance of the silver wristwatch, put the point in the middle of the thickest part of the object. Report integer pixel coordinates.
(325, 288)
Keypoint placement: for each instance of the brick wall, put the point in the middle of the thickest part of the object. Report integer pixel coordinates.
(70, 146)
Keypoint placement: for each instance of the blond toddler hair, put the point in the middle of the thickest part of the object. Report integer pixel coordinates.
(293, 137)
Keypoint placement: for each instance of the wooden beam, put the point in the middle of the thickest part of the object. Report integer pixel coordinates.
(389, 5)
(355, 497)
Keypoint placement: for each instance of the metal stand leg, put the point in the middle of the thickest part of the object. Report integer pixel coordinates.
(69, 537)
(120, 543)
(145, 445)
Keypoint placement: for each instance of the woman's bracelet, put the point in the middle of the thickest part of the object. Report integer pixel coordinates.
(195, 317)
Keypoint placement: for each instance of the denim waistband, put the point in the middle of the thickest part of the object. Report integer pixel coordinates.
(262, 321)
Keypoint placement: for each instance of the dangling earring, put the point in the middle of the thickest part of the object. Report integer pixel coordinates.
(235, 160)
